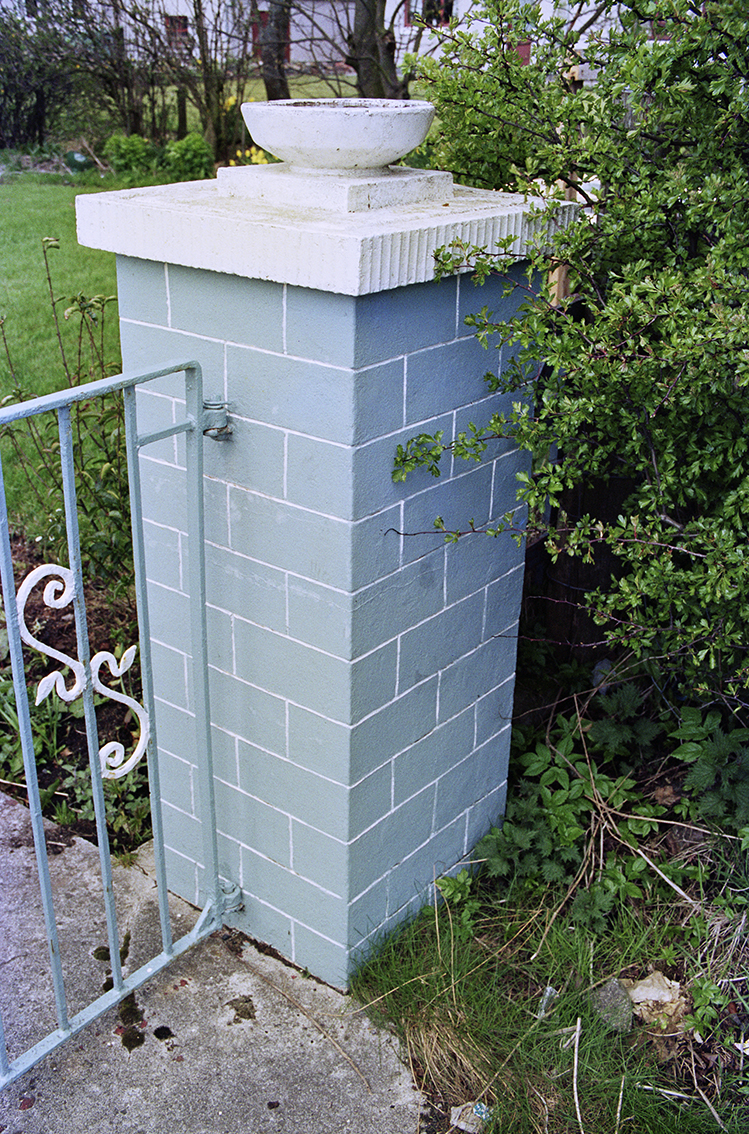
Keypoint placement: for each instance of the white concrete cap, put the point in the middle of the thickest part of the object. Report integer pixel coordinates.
(199, 224)
(339, 133)
(340, 191)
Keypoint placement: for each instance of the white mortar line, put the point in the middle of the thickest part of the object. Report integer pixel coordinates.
(170, 705)
(289, 870)
(173, 330)
(166, 587)
(284, 355)
(300, 768)
(168, 297)
(317, 933)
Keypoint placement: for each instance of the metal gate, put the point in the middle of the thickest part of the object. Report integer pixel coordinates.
(65, 585)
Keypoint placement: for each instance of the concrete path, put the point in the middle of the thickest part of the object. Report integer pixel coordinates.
(247, 1045)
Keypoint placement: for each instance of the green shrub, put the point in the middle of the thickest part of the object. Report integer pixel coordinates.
(130, 154)
(639, 367)
(190, 159)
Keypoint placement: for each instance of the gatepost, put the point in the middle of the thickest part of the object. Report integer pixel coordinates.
(361, 669)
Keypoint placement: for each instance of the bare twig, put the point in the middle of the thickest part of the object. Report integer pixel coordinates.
(421, 978)
(546, 1109)
(702, 1094)
(606, 814)
(578, 1027)
(619, 1107)
(666, 1093)
(23, 787)
(85, 146)
(677, 889)
(53, 302)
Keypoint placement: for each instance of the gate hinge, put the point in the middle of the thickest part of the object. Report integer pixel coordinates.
(216, 421)
(232, 898)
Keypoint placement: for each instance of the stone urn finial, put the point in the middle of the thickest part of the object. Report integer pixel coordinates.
(340, 135)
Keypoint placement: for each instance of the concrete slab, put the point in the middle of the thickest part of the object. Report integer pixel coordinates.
(233, 1041)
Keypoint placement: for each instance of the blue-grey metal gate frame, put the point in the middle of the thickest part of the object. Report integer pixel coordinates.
(199, 419)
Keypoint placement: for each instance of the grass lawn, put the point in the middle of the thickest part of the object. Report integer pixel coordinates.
(34, 206)
(489, 1008)
(30, 209)
(589, 972)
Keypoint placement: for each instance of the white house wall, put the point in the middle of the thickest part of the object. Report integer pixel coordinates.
(319, 27)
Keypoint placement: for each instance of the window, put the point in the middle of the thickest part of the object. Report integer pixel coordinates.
(176, 32)
(432, 12)
(524, 51)
(257, 33)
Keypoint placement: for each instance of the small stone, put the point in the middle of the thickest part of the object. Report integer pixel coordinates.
(469, 1117)
(614, 1006)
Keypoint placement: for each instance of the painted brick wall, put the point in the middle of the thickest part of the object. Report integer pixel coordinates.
(361, 678)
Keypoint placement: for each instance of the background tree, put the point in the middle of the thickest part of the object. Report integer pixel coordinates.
(638, 378)
(132, 60)
(125, 65)
(274, 42)
(372, 51)
(35, 78)
(352, 31)
(208, 56)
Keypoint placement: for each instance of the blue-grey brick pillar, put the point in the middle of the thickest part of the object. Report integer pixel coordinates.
(361, 668)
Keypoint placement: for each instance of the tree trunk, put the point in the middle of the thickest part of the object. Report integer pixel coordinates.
(274, 39)
(181, 113)
(372, 50)
(212, 86)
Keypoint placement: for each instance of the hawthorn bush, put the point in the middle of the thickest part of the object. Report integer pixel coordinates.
(633, 386)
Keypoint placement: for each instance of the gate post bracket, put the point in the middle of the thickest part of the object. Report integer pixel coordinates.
(231, 898)
(215, 420)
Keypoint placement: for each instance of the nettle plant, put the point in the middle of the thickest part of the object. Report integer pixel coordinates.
(638, 375)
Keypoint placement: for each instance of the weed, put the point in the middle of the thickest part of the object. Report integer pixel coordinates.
(470, 1014)
(63, 814)
(98, 445)
(457, 894)
(718, 779)
(599, 870)
(104, 522)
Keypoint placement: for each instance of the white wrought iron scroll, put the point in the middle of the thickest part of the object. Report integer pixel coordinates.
(59, 593)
